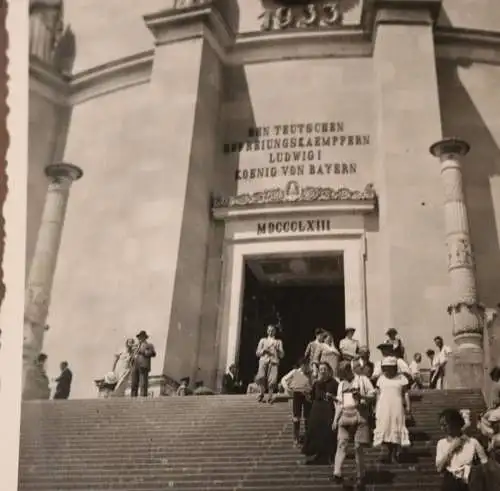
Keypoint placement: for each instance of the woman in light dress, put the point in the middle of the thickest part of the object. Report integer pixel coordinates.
(121, 366)
(329, 354)
(393, 405)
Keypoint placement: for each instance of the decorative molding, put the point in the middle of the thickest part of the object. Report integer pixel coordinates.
(294, 193)
(475, 308)
(460, 254)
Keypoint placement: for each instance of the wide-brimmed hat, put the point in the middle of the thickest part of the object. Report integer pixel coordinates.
(363, 349)
(142, 334)
(383, 346)
(390, 361)
(391, 331)
(352, 329)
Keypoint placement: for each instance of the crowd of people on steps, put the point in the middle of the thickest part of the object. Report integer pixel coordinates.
(344, 398)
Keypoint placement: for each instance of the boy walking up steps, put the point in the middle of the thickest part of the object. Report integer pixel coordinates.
(298, 383)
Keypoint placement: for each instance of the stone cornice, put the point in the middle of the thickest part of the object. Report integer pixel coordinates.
(467, 44)
(259, 47)
(174, 25)
(113, 76)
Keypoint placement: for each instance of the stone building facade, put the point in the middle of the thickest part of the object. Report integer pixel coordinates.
(216, 133)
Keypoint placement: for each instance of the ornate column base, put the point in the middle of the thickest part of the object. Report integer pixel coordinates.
(466, 365)
(465, 368)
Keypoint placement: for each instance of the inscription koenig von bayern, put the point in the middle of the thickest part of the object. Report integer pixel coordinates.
(299, 146)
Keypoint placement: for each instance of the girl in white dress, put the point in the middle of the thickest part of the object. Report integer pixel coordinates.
(393, 404)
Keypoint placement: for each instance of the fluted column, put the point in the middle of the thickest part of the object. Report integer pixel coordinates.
(467, 367)
(41, 275)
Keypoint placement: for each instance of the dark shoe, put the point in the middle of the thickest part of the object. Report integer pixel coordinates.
(260, 398)
(270, 400)
(360, 483)
(385, 459)
(337, 479)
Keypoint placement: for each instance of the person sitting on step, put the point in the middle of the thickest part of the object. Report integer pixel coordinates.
(231, 384)
(298, 384)
(489, 424)
(495, 387)
(313, 351)
(200, 389)
(456, 452)
(349, 347)
(183, 389)
(270, 352)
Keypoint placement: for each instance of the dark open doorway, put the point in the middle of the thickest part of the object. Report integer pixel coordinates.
(300, 301)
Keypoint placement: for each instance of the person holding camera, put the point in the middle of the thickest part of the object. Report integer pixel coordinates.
(354, 400)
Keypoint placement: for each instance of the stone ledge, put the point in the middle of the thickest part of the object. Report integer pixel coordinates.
(110, 77)
(174, 25)
(262, 47)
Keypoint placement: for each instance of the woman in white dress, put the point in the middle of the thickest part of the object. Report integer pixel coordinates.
(122, 365)
(393, 404)
(329, 354)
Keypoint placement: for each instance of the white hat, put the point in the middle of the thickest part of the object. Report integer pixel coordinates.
(390, 361)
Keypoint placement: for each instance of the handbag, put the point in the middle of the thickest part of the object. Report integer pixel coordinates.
(349, 417)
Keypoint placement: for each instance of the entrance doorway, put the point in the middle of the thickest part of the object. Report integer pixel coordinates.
(300, 294)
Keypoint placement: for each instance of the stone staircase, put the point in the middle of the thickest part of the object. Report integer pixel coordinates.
(203, 443)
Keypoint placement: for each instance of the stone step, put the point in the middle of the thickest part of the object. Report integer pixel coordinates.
(225, 487)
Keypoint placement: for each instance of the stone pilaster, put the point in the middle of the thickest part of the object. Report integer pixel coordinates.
(408, 114)
(468, 315)
(190, 45)
(41, 274)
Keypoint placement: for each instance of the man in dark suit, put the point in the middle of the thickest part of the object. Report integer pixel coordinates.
(141, 365)
(64, 380)
(230, 382)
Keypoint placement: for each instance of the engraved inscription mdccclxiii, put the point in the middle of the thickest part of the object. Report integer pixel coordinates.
(311, 15)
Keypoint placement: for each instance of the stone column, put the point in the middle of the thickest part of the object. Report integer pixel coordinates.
(41, 275)
(190, 47)
(406, 90)
(467, 364)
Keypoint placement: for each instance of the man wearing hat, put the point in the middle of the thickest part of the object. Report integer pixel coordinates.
(397, 345)
(141, 365)
(349, 347)
(387, 350)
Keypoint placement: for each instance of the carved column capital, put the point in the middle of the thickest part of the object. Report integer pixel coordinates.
(63, 171)
(449, 147)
